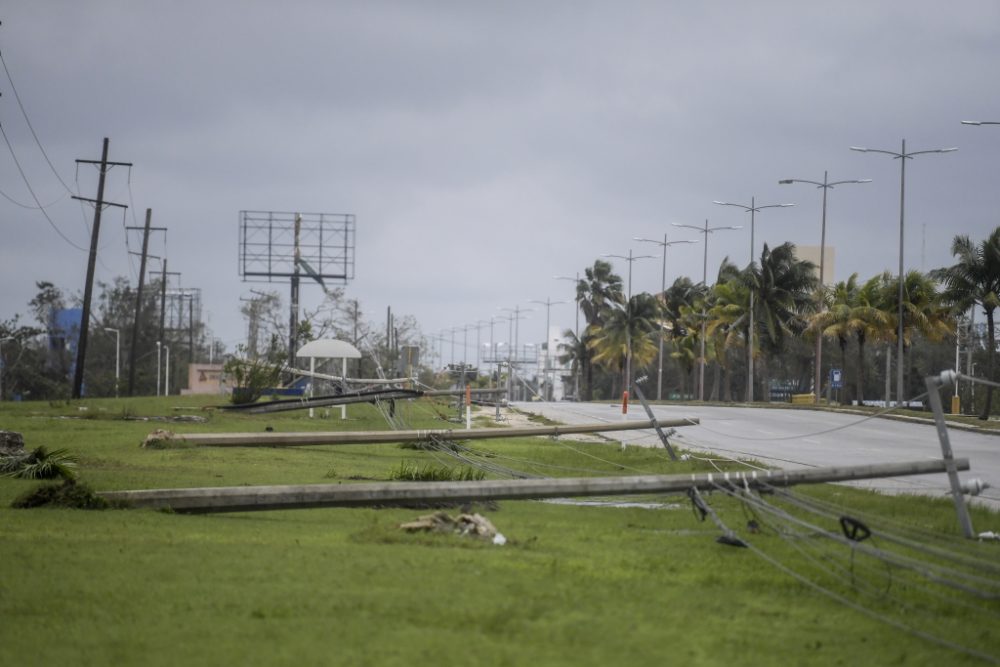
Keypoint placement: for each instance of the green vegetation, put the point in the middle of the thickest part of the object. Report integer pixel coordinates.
(574, 585)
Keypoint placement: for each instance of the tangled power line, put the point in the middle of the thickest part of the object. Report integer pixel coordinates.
(908, 577)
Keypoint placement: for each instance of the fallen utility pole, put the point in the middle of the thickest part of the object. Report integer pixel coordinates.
(272, 439)
(248, 498)
(286, 404)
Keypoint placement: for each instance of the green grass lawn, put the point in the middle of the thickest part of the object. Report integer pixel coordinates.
(574, 585)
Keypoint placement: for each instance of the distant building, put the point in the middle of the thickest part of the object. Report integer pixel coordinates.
(810, 253)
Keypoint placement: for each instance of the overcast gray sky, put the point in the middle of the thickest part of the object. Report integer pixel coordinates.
(487, 147)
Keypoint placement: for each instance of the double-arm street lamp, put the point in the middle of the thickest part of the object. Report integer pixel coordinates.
(706, 230)
(547, 368)
(752, 209)
(902, 156)
(628, 315)
(826, 185)
(663, 292)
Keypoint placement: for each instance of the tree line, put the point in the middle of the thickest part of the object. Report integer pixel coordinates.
(857, 320)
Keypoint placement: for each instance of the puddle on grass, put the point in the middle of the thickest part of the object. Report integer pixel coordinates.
(619, 504)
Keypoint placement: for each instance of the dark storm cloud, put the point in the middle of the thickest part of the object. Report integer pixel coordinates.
(488, 147)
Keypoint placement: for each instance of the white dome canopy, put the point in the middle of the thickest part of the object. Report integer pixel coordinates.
(328, 348)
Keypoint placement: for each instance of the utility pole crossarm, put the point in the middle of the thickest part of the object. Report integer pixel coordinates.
(106, 163)
(98, 202)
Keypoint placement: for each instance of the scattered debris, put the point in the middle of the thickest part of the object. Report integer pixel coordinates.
(475, 525)
(159, 439)
(11, 443)
(195, 419)
(619, 504)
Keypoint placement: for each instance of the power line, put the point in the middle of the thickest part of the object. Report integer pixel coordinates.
(33, 195)
(30, 127)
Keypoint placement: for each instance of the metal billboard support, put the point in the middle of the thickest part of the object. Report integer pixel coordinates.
(278, 245)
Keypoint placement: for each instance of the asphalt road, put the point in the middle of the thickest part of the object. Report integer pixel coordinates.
(804, 438)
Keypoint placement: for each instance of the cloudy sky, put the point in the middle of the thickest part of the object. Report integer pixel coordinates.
(486, 147)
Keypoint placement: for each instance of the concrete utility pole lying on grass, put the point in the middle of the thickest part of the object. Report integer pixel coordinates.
(247, 498)
(271, 439)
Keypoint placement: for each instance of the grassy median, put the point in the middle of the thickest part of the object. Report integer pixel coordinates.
(573, 585)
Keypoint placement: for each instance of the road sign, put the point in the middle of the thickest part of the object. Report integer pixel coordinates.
(836, 378)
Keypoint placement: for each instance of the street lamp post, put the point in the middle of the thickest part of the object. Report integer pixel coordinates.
(479, 347)
(981, 122)
(159, 346)
(663, 292)
(576, 329)
(515, 321)
(826, 185)
(752, 209)
(547, 369)
(118, 352)
(628, 316)
(706, 230)
(166, 380)
(3, 366)
(902, 156)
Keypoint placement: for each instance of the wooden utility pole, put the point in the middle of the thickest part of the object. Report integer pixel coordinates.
(247, 498)
(138, 297)
(88, 289)
(309, 438)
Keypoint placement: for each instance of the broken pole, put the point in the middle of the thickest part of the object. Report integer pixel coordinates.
(250, 498)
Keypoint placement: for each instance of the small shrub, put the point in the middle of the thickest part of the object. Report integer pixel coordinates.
(70, 494)
(251, 375)
(408, 472)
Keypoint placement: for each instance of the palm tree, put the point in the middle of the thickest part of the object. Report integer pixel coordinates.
(975, 281)
(623, 326)
(839, 320)
(728, 320)
(784, 287)
(924, 312)
(875, 325)
(598, 291)
(853, 311)
(573, 352)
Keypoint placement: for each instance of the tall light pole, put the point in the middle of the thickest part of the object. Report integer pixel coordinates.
(663, 292)
(548, 303)
(981, 122)
(515, 321)
(118, 352)
(159, 346)
(479, 327)
(826, 185)
(3, 366)
(902, 156)
(576, 330)
(166, 380)
(752, 209)
(706, 230)
(628, 316)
